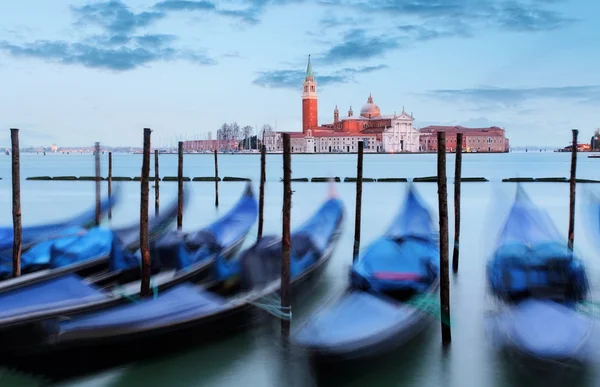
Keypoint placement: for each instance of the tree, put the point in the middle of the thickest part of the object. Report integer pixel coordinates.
(247, 133)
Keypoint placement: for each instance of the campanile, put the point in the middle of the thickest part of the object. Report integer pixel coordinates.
(310, 116)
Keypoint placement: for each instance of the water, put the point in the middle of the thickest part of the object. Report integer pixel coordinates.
(253, 358)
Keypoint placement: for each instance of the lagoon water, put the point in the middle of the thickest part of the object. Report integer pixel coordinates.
(253, 358)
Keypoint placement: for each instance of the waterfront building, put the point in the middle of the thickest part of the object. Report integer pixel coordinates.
(490, 139)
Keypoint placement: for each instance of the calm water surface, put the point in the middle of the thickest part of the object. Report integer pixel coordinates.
(254, 358)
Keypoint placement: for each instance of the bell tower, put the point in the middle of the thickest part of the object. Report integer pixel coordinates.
(310, 117)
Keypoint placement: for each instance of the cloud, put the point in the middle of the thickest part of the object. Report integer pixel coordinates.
(114, 17)
(292, 79)
(511, 97)
(356, 44)
(116, 48)
(519, 17)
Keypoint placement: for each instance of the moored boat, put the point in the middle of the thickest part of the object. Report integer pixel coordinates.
(181, 316)
(539, 282)
(35, 234)
(375, 314)
(83, 251)
(183, 257)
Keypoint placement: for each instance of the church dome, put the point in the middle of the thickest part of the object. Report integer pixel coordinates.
(370, 109)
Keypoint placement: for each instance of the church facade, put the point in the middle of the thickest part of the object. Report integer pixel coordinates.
(380, 133)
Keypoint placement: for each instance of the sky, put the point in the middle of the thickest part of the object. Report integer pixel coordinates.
(75, 72)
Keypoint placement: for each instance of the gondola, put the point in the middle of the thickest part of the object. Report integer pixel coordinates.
(34, 234)
(375, 315)
(183, 315)
(83, 251)
(172, 263)
(539, 281)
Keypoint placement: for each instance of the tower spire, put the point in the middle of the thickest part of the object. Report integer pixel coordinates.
(309, 72)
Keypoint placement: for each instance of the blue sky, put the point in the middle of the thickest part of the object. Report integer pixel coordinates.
(75, 72)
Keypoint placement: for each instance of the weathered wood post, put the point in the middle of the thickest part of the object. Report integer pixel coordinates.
(144, 242)
(179, 185)
(443, 214)
(359, 178)
(216, 180)
(457, 177)
(572, 190)
(98, 177)
(261, 194)
(16, 201)
(109, 178)
(285, 236)
(156, 184)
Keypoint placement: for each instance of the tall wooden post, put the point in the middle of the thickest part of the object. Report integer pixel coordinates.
(216, 180)
(285, 235)
(261, 195)
(98, 193)
(443, 214)
(457, 177)
(16, 202)
(359, 179)
(156, 184)
(572, 190)
(144, 242)
(109, 178)
(180, 185)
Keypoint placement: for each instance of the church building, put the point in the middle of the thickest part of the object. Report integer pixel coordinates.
(380, 133)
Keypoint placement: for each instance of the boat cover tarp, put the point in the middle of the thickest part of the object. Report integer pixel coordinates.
(414, 219)
(89, 244)
(261, 263)
(182, 302)
(533, 257)
(353, 319)
(386, 265)
(406, 258)
(180, 250)
(68, 290)
(33, 234)
(543, 329)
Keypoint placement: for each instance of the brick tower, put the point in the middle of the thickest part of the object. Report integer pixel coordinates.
(310, 116)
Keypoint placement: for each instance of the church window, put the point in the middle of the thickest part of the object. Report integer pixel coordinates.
(305, 88)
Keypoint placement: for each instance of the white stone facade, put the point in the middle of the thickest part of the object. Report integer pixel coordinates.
(401, 136)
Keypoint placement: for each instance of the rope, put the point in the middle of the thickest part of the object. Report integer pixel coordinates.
(429, 304)
(273, 306)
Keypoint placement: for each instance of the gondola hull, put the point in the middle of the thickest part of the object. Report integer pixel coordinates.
(538, 281)
(67, 355)
(382, 309)
(393, 335)
(68, 294)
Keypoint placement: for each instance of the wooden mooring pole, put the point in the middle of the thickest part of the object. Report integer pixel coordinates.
(144, 242)
(443, 214)
(156, 184)
(572, 190)
(261, 190)
(285, 236)
(216, 180)
(16, 203)
(109, 178)
(457, 177)
(359, 178)
(179, 185)
(98, 177)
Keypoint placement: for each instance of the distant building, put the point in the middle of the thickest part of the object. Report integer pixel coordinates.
(595, 141)
(380, 133)
(210, 145)
(490, 139)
